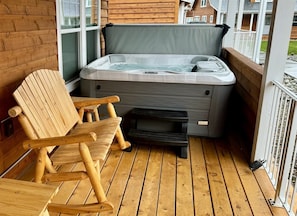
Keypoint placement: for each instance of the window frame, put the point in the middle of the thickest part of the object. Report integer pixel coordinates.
(204, 18)
(211, 19)
(203, 3)
(82, 41)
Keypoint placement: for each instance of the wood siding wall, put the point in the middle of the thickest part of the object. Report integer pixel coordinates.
(28, 41)
(294, 33)
(104, 21)
(246, 93)
(143, 11)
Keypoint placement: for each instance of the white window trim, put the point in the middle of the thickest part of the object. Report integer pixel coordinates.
(88, 4)
(197, 18)
(204, 18)
(83, 43)
(211, 19)
(203, 5)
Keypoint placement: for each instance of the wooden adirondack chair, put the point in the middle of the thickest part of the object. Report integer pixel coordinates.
(50, 119)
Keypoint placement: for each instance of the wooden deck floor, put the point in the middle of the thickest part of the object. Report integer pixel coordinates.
(214, 180)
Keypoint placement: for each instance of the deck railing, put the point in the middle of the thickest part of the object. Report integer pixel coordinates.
(281, 151)
(244, 42)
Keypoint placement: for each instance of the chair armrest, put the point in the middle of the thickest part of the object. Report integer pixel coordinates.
(80, 102)
(62, 140)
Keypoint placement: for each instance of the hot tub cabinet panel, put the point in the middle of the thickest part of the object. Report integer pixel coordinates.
(206, 104)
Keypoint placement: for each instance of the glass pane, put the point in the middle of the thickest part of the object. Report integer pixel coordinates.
(91, 46)
(70, 16)
(70, 56)
(91, 12)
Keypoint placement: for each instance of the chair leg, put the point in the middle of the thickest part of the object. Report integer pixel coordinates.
(124, 145)
(89, 117)
(49, 166)
(92, 173)
(40, 165)
(96, 114)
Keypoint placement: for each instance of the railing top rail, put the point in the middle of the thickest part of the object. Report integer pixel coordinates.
(285, 89)
(244, 31)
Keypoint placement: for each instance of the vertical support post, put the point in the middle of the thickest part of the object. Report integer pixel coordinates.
(181, 13)
(240, 15)
(279, 36)
(230, 21)
(98, 7)
(83, 35)
(259, 31)
(218, 20)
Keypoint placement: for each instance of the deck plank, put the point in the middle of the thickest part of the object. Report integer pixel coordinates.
(202, 198)
(234, 187)
(132, 195)
(150, 193)
(220, 198)
(268, 190)
(258, 204)
(167, 191)
(118, 185)
(184, 187)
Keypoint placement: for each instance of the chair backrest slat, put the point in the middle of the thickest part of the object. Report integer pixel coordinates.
(46, 103)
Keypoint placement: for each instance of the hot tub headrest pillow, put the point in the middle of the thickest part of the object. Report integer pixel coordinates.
(164, 39)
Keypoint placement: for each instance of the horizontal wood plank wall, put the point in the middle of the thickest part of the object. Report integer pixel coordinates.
(28, 41)
(246, 93)
(294, 33)
(104, 21)
(143, 11)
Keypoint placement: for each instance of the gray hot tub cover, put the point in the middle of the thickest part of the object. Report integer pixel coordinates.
(164, 39)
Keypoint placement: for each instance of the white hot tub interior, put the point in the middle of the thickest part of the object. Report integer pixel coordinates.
(160, 68)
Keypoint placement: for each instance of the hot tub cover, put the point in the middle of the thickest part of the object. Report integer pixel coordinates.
(201, 39)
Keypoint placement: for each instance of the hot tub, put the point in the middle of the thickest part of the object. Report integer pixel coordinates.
(198, 84)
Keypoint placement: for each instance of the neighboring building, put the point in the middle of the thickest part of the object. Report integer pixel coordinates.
(202, 12)
(207, 10)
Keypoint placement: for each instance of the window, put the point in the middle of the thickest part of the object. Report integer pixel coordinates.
(211, 19)
(88, 3)
(267, 19)
(203, 3)
(78, 37)
(196, 18)
(189, 19)
(204, 18)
